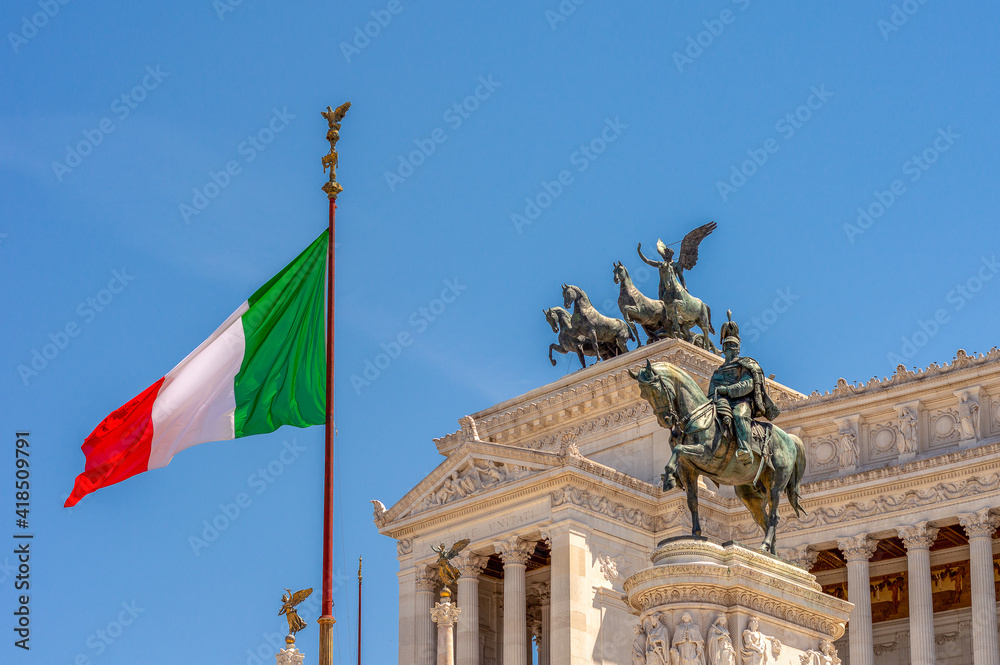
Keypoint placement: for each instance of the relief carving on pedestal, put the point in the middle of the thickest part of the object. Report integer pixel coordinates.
(754, 646)
(688, 643)
(827, 655)
(720, 644)
(658, 651)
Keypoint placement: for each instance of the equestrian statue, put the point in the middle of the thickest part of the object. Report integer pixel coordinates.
(726, 435)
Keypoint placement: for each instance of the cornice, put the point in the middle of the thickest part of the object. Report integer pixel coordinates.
(543, 417)
(846, 393)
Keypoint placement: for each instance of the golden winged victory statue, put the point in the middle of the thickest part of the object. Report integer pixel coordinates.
(288, 602)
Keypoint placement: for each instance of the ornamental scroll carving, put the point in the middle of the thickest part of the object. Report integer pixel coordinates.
(915, 498)
(603, 506)
(477, 476)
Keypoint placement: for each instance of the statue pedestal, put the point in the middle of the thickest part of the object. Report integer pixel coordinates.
(743, 606)
(291, 655)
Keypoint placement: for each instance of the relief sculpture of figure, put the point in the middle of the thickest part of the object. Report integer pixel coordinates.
(848, 446)
(657, 641)
(688, 641)
(754, 647)
(639, 646)
(968, 415)
(720, 644)
(907, 442)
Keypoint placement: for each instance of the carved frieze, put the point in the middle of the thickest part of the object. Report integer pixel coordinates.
(476, 476)
(890, 503)
(602, 506)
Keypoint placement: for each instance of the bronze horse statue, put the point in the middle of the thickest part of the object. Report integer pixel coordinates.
(705, 449)
(594, 326)
(636, 308)
(570, 340)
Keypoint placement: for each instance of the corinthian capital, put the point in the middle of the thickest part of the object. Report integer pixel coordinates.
(857, 548)
(920, 536)
(801, 556)
(445, 614)
(469, 564)
(514, 550)
(427, 579)
(980, 524)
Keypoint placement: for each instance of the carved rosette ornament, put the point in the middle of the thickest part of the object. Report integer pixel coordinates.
(857, 548)
(919, 536)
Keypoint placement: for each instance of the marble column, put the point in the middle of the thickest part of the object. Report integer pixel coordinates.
(469, 566)
(572, 641)
(544, 637)
(980, 527)
(514, 553)
(427, 582)
(445, 615)
(918, 540)
(857, 551)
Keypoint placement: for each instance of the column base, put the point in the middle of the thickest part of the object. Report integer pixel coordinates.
(769, 606)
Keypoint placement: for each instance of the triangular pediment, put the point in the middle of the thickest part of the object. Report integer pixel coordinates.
(475, 470)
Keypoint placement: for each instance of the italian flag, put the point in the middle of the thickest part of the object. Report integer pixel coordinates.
(263, 368)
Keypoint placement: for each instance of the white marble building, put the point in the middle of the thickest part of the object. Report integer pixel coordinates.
(558, 492)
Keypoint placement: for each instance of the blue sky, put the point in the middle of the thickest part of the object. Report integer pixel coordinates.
(619, 122)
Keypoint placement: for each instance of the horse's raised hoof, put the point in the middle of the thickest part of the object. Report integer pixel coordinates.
(669, 482)
(553, 361)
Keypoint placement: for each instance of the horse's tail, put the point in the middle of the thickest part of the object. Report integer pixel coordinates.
(709, 310)
(799, 470)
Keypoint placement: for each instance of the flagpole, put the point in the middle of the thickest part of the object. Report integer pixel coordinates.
(359, 610)
(332, 189)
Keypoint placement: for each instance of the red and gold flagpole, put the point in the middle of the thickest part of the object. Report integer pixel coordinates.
(332, 189)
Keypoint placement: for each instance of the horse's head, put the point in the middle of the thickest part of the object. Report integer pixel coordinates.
(552, 318)
(657, 388)
(570, 295)
(620, 272)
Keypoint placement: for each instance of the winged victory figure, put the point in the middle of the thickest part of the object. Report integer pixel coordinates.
(447, 571)
(686, 260)
(289, 600)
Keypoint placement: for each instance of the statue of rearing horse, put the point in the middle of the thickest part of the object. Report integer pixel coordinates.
(704, 449)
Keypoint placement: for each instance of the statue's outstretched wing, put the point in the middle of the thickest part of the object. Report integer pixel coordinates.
(456, 548)
(689, 246)
(299, 596)
(341, 111)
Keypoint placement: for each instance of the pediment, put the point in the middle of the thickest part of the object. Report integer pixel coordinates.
(479, 469)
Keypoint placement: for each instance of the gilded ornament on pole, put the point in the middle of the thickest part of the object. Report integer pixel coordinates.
(333, 118)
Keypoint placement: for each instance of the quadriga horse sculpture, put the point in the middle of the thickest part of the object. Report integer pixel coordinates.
(637, 308)
(570, 340)
(594, 326)
(681, 406)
